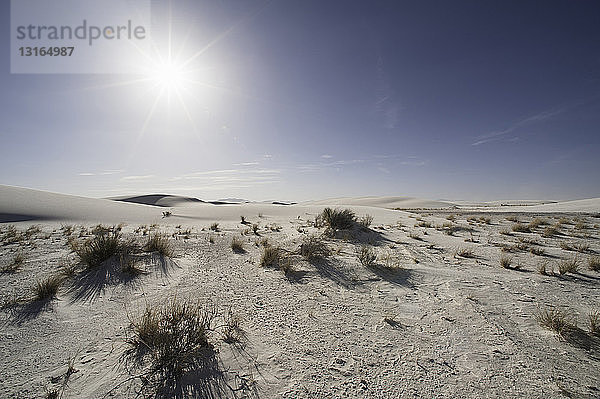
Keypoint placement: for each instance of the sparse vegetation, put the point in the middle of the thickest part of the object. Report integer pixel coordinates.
(520, 228)
(313, 247)
(537, 222)
(47, 289)
(172, 338)
(465, 253)
(550, 231)
(505, 261)
(594, 321)
(366, 255)
(338, 219)
(214, 226)
(159, 243)
(568, 266)
(537, 251)
(98, 249)
(556, 319)
(16, 264)
(366, 221)
(594, 263)
(543, 268)
(237, 245)
(415, 235)
(270, 256)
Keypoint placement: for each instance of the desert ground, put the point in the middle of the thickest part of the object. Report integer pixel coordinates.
(378, 297)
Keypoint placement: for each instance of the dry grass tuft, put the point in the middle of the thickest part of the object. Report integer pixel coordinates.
(594, 263)
(214, 226)
(505, 261)
(338, 219)
(568, 266)
(550, 231)
(159, 243)
(47, 289)
(465, 253)
(366, 255)
(556, 319)
(543, 268)
(366, 221)
(270, 256)
(313, 247)
(98, 249)
(594, 321)
(172, 339)
(16, 264)
(237, 245)
(520, 228)
(537, 251)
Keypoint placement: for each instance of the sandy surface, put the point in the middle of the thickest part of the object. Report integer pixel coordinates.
(436, 324)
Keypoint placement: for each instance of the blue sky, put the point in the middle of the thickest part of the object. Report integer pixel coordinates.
(299, 100)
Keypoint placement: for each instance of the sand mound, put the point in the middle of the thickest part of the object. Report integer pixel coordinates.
(384, 202)
(22, 204)
(163, 200)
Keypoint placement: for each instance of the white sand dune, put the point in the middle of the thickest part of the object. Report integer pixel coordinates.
(384, 202)
(163, 200)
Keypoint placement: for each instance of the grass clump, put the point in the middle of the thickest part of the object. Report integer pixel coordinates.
(313, 248)
(366, 221)
(594, 321)
(47, 289)
(594, 263)
(237, 245)
(543, 268)
(159, 243)
(338, 219)
(550, 231)
(465, 253)
(98, 249)
(16, 264)
(366, 255)
(172, 339)
(556, 319)
(520, 228)
(537, 222)
(214, 227)
(537, 251)
(505, 261)
(270, 256)
(568, 266)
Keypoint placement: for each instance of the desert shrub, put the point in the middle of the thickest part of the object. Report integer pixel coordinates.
(255, 229)
(505, 232)
(568, 266)
(451, 218)
(543, 268)
(366, 221)
(237, 245)
(512, 219)
(424, 223)
(366, 255)
(214, 226)
(172, 339)
(520, 228)
(270, 256)
(313, 247)
(465, 253)
(537, 251)
(537, 222)
(232, 329)
(415, 235)
(338, 219)
(16, 263)
(556, 319)
(581, 247)
(594, 263)
(159, 243)
(566, 246)
(47, 289)
(594, 321)
(98, 249)
(550, 231)
(505, 261)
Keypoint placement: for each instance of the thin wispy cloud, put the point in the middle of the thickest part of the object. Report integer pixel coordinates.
(102, 173)
(137, 178)
(500, 134)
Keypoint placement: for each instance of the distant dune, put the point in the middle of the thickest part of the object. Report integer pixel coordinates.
(384, 202)
(163, 200)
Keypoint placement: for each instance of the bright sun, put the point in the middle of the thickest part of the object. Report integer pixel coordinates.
(168, 75)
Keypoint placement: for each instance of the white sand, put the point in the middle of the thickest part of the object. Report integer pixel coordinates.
(441, 326)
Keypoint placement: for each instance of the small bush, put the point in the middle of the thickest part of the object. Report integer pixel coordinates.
(415, 236)
(451, 218)
(568, 266)
(537, 222)
(366, 221)
(338, 219)
(95, 251)
(366, 255)
(214, 226)
(173, 339)
(556, 319)
(581, 247)
(270, 256)
(465, 253)
(313, 247)
(47, 289)
(505, 262)
(537, 251)
(237, 245)
(16, 263)
(159, 243)
(550, 231)
(424, 223)
(543, 268)
(594, 320)
(505, 232)
(255, 229)
(594, 263)
(520, 228)
(512, 219)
